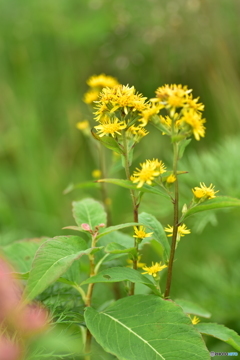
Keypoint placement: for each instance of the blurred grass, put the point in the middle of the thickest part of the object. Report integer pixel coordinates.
(48, 48)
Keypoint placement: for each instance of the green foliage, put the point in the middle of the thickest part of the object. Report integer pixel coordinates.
(90, 212)
(139, 325)
(116, 274)
(191, 308)
(220, 332)
(52, 260)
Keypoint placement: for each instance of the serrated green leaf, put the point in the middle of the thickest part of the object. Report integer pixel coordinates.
(129, 185)
(21, 253)
(192, 308)
(158, 233)
(117, 274)
(220, 332)
(89, 211)
(116, 227)
(218, 202)
(146, 327)
(52, 260)
(109, 142)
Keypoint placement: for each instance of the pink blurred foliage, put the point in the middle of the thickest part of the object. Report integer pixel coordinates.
(17, 318)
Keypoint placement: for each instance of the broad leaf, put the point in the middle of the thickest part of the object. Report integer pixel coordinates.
(146, 327)
(118, 237)
(129, 185)
(117, 274)
(158, 234)
(109, 142)
(21, 253)
(90, 212)
(218, 202)
(220, 332)
(116, 227)
(114, 248)
(191, 308)
(52, 260)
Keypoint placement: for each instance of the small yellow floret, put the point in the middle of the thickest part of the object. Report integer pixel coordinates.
(149, 170)
(204, 192)
(140, 232)
(154, 269)
(171, 179)
(182, 230)
(90, 96)
(102, 80)
(195, 320)
(82, 125)
(193, 118)
(96, 173)
(110, 127)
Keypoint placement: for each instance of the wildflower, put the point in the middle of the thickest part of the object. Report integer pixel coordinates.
(154, 269)
(193, 118)
(171, 179)
(195, 320)
(82, 125)
(140, 232)
(90, 96)
(110, 127)
(138, 131)
(149, 112)
(204, 192)
(182, 230)
(102, 80)
(96, 174)
(173, 95)
(193, 103)
(139, 263)
(120, 97)
(149, 170)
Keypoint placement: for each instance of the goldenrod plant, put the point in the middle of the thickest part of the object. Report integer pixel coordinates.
(121, 307)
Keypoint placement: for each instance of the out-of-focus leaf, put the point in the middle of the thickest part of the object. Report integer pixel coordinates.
(191, 308)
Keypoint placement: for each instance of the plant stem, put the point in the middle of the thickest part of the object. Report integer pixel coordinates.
(104, 193)
(175, 222)
(135, 206)
(89, 296)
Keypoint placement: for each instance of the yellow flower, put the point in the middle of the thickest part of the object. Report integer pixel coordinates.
(150, 111)
(173, 95)
(96, 173)
(154, 269)
(149, 170)
(140, 233)
(139, 263)
(193, 118)
(121, 98)
(195, 320)
(193, 103)
(171, 179)
(136, 132)
(182, 230)
(110, 127)
(204, 192)
(90, 96)
(102, 81)
(82, 125)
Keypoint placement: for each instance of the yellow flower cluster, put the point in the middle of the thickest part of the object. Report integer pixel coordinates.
(96, 84)
(188, 120)
(204, 192)
(154, 269)
(150, 169)
(182, 230)
(140, 232)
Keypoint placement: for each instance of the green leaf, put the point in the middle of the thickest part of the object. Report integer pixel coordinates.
(146, 327)
(90, 212)
(114, 248)
(109, 142)
(158, 233)
(129, 185)
(53, 259)
(220, 332)
(117, 237)
(116, 227)
(191, 308)
(182, 146)
(87, 184)
(21, 253)
(218, 202)
(117, 274)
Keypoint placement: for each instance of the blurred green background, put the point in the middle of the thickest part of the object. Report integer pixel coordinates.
(48, 49)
